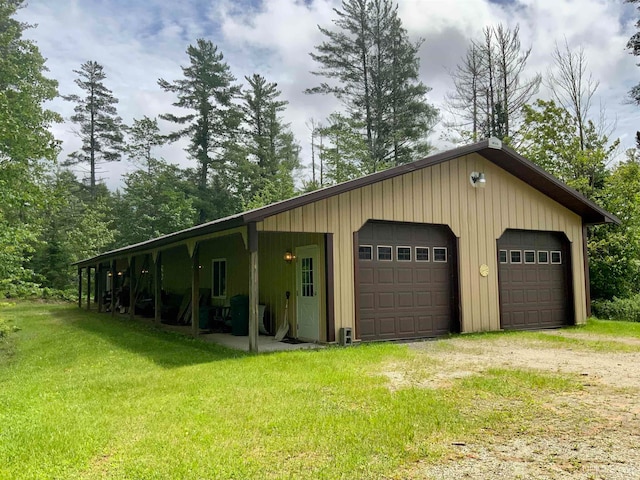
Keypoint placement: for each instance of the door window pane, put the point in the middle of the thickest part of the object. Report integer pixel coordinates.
(403, 254)
(439, 254)
(516, 256)
(503, 256)
(384, 253)
(365, 252)
(307, 277)
(543, 257)
(556, 257)
(529, 256)
(422, 254)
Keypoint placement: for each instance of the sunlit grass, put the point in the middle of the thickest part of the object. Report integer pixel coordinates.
(88, 396)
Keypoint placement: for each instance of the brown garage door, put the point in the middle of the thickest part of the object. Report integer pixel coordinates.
(534, 277)
(405, 280)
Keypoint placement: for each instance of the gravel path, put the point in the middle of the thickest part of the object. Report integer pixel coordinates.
(592, 434)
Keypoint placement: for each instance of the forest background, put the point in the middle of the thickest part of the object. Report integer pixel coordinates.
(243, 154)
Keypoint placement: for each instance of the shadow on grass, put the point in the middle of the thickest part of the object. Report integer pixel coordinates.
(166, 349)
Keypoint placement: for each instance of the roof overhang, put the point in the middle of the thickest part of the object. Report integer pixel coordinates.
(491, 149)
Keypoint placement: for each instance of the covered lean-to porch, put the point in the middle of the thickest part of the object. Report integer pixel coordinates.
(234, 281)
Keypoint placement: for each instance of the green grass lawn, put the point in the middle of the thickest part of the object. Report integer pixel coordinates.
(83, 395)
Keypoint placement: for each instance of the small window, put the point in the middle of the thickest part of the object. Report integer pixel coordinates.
(219, 280)
(439, 254)
(384, 253)
(365, 252)
(503, 256)
(529, 256)
(403, 254)
(543, 256)
(516, 256)
(422, 254)
(556, 257)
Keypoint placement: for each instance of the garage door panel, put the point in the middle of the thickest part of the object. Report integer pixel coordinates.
(422, 275)
(423, 299)
(425, 323)
(367, 301)
(385, 275)
(366, 276)
(534, 295)
(367, 326)
(387, 325)
(385, 300)
(530, 275)
(412, 298)
(517, 297)
(405, 300)
(404, 276)
(406, 325)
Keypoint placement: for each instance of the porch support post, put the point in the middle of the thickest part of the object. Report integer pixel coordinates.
(88, 287)
(96, 284)
(132, 287)
(99, 286)
(113, 288)
(253, 287)
(79, 287)
(157, 287)
(195, 291)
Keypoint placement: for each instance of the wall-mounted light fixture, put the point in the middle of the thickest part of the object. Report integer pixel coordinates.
(109, 274)
(289, 257)
(119, 274)
(477, 179)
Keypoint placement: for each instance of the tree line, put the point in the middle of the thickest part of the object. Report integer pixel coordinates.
(244, 154)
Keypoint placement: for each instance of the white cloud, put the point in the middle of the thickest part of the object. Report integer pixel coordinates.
(139, 42)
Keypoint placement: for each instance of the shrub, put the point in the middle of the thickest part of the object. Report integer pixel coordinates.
(627, 309)
(6, 328)
(29, 290)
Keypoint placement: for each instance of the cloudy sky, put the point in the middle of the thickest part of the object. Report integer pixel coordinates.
(138, 42)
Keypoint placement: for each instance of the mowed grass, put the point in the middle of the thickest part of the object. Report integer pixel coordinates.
(83, 395)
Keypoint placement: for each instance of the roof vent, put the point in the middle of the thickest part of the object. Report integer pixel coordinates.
(495, 143)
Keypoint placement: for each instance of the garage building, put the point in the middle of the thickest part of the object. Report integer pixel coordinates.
(473, 239)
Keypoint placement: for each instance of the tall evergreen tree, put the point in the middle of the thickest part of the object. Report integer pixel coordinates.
(372, 67)
(144, 136)
(100, 126)
(269, 146)
(634, 45)
(207, 92)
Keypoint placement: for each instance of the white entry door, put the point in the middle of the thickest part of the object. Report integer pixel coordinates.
(308, 292)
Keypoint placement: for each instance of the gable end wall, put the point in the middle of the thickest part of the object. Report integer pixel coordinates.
(442, 194)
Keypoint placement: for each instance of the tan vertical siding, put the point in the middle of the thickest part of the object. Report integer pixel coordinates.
(442, 194)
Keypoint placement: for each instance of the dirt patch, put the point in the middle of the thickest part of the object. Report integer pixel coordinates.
(590, 434)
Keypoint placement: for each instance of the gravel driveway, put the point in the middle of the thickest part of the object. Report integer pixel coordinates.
(590, 434)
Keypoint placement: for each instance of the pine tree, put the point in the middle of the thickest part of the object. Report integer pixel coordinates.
(144, 136)
(372, 67)
(207, 91)
(270, 148)
(100, 125)
(634, 45)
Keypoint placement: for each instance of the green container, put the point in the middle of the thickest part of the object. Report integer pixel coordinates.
(239, 315)
(204, 317)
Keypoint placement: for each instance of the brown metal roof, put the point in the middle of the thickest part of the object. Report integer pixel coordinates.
(491, 149)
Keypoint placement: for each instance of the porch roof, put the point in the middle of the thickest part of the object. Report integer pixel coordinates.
(491, 149)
